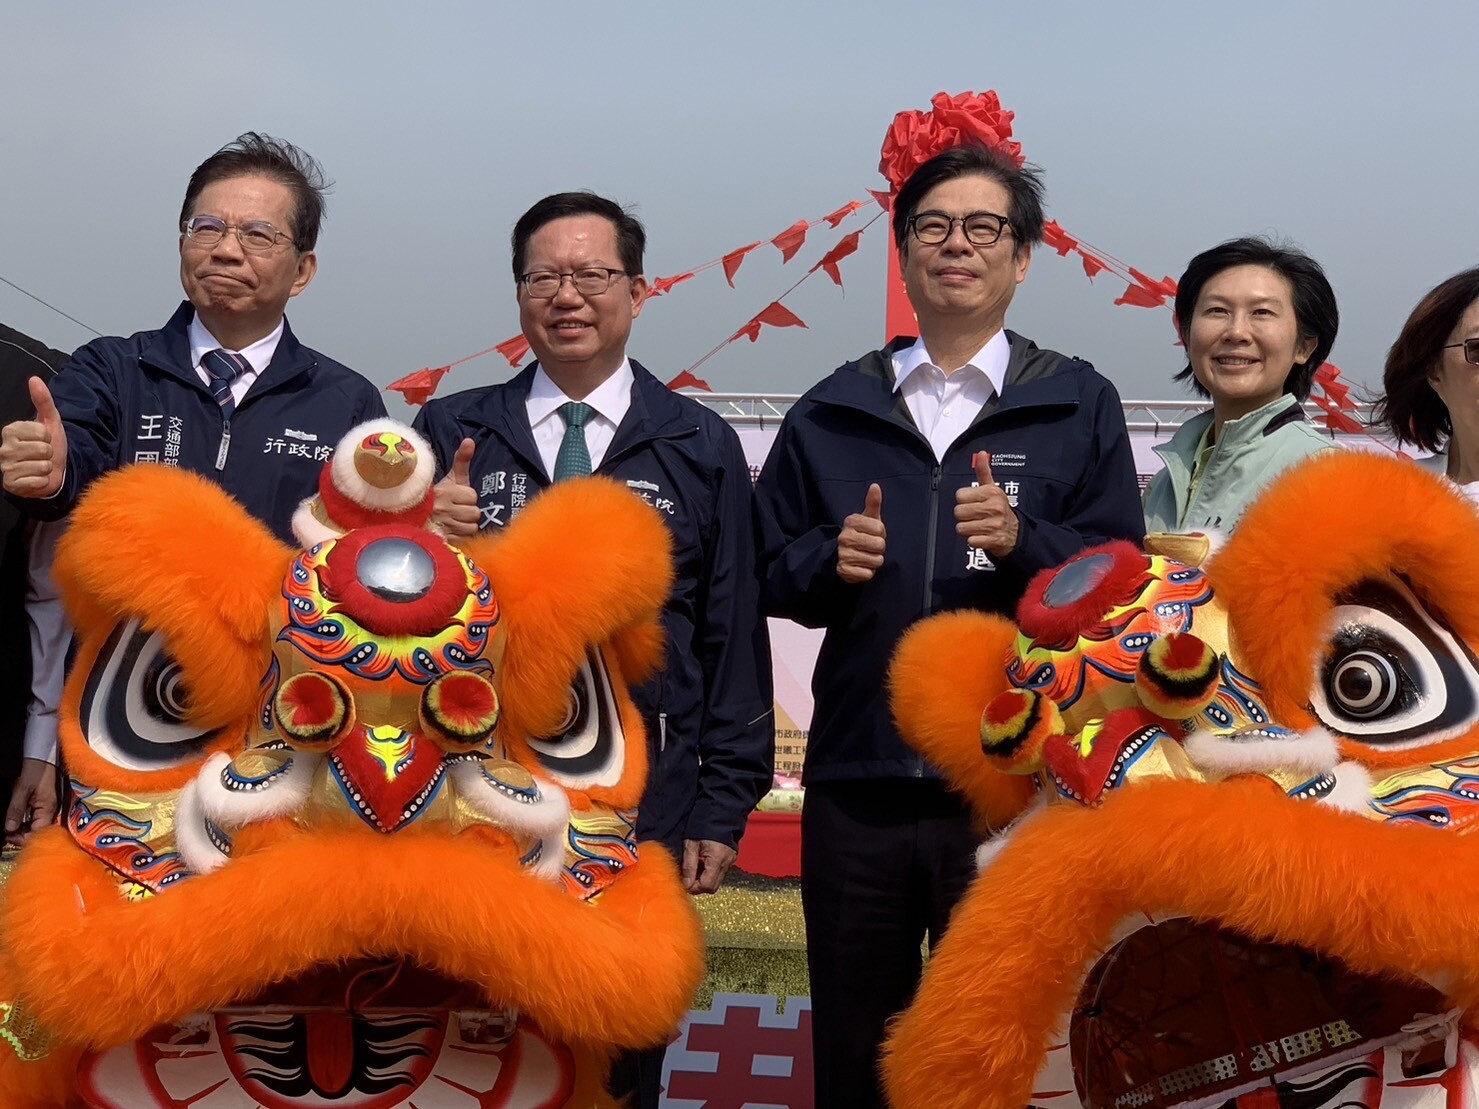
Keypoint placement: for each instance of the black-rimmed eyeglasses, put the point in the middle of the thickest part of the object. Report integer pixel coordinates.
(255, 236)
(981, 228)
(1470, 349)
(590, 281)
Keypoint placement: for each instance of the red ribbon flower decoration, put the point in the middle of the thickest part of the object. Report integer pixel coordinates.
(915, 137)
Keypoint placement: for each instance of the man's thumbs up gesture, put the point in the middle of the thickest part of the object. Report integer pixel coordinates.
(860, 546)
(33, 453)
(456, 507)
(982, 513)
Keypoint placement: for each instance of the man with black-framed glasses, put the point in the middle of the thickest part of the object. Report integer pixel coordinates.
(585, 407)
(938, 473)
(224, 388)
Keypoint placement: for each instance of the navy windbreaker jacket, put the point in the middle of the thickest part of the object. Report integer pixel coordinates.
(1058, 447)
(710, 728)
(139, 399)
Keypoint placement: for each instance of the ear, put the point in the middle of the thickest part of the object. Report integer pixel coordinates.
(639, 294)
(585, 564)
(1022, 260)
(175, 551)
(1304, 349)
(307, 267)
(944, 673)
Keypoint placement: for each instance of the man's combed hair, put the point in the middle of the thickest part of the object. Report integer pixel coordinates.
(1409, 408)
(631, 239)
(256, 155)
(1315, 313)
(1023, 185)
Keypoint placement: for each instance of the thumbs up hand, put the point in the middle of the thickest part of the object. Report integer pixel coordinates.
(455, 511)
(33, 453)
(861, 544)
(983, 514)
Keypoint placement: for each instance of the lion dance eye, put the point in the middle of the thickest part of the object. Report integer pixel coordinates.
(460, 710)
(135, 704)
(588, 748)
(1393, 675)
(1364, 684)
(313, 711)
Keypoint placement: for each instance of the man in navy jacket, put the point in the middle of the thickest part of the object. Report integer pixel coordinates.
(928, 476)
(224, 388)
(577, 263)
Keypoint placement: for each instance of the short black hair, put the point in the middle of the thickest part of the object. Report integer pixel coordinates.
(1315, 312)
(1409, 407)
(631, 239)
(257, 155)
(1023, 184)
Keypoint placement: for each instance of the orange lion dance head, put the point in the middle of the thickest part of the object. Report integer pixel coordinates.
(1232, 790)
(353, 824)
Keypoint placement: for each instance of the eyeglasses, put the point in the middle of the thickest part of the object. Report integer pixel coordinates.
(1471, 350)
(981, 228)
(256, 236)
(591, 281)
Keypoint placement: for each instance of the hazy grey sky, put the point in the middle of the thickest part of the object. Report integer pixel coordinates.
(1348, 128)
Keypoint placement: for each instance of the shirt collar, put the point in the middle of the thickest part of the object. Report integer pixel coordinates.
(259, 354)
(990, 360)
(610, 399)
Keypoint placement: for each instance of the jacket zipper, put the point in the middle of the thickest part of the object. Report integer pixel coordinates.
(929, 568)
(662, 732)
(225, 446)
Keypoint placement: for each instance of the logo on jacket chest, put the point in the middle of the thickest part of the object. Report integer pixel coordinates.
(651, 492)
(293, 443)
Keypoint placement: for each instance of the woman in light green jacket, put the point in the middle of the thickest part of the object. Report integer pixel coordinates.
(1257, 321)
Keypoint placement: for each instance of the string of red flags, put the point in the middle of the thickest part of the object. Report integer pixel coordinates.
(420, 385)
(911, 139)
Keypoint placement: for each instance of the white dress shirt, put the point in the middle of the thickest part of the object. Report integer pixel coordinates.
(944, 405)
(609, 400)
(258, 354)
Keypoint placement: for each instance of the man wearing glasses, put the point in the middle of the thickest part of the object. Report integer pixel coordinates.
(935, 474)
(585, 407)
(224, 389)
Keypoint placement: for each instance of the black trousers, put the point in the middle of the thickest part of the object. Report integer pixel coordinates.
(883, 863)
(637, 1075)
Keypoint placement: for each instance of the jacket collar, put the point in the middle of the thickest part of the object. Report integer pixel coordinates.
(655, 413)
(1235, 434)
(1033, 380)
(169, 352)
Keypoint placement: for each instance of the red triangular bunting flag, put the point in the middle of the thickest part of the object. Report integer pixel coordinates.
(1060, 240)
(732, 262)
(842, 213)
(1339, 421)
(661, 285)
(885, 200)
(686, 380)
(775, 314)
(845, 246)
(789, 241)
(513, 349)
(417, 387)
(1092, 266)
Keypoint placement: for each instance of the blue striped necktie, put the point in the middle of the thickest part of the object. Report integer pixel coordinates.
(574, 459)
(223, 367)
